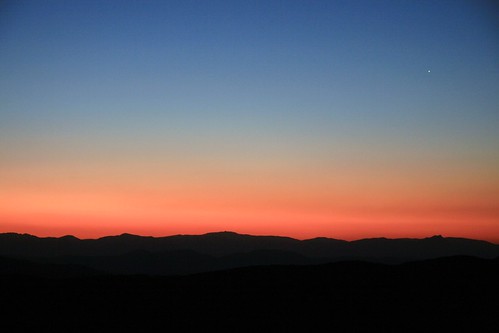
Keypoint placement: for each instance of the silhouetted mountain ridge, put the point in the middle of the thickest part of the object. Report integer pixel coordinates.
(186, 254)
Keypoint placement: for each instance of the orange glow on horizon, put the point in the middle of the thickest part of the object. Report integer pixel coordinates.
(300, 202)
(93, 216)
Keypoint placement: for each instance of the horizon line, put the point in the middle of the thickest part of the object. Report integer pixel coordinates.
(245, 234)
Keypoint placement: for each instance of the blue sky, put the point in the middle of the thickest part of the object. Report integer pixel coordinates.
(266, 84)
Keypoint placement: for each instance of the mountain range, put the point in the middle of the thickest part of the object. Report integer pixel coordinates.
(232, 282)
(187, 254)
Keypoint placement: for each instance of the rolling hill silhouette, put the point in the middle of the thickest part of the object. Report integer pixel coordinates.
(232, 282)
(20, 267)
(187, 254)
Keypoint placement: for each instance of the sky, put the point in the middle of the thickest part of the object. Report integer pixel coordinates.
(343, 119)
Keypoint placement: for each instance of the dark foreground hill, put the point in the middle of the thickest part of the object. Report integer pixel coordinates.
(453, 294)
(187, 254)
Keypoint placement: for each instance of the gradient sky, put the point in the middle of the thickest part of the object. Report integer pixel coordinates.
(344, 119)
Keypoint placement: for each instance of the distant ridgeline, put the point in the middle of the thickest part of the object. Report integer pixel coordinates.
(185, 254)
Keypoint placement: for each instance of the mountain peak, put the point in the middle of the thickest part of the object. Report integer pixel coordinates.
(436, 237)
(69, 237)
(126, 234)
(225, 232)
